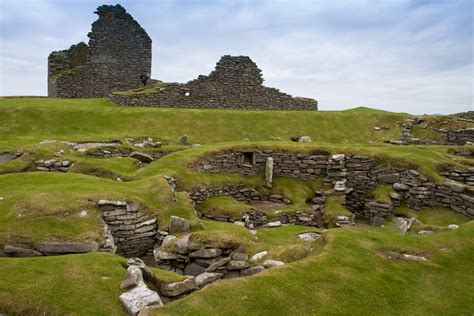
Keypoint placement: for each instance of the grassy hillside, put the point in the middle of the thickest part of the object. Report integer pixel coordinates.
(30, 120)
(344, 272)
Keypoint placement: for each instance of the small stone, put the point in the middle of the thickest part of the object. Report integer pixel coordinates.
(239, 256)
(207, 277)
(213, 267)
(309, 236)
(272, 263)
(181, 246)
(239, 223)
(141, 157)
(178, 288)
(237, 265)
(453, 226)
(132, 278)
(193, 269)
(138, 298)
(305, 139)
(413, 257)
(251, 271)
(168, 239)
(206, 253)
(183, 140)
(162, 255)
(273, 224)
(83, 214)
(400, 187)
(258, 256)
(425, 232)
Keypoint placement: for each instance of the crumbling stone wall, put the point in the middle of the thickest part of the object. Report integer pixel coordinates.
(356, 174)
(119, 52)
(236, 83)
(458, 137)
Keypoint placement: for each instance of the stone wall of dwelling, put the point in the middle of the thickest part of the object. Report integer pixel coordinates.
(353, 176)
(114, 152)
(238, 192)
(236, 83)
(51, 165)
(119, 52)
(458, 136)
(464, 176)
(134, 234)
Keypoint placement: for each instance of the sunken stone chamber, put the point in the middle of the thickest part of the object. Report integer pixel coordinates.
(119, 52)
(133, 232)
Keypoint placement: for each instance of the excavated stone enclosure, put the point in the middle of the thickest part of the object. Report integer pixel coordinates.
(352, 176)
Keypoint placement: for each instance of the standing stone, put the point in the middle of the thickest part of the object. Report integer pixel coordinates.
(183, 140)
(178, 225)
(132, 278)
(269, 172)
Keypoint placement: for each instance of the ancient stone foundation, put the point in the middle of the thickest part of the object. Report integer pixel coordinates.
(236, 83)
(353, 176)
(119, 52)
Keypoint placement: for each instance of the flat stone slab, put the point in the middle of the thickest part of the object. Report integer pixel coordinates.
(207, 277)
(311, 236)
(67, 247)
(178, 288)
(138, 298)
(13, 251)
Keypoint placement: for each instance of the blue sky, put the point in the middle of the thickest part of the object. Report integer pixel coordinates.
(407, 56)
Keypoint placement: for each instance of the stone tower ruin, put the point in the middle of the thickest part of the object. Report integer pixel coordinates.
(118, 54)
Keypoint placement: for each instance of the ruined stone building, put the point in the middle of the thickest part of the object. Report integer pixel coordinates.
(236, 83)
(119, 52)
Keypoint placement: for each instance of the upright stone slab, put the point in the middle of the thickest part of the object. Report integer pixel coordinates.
(269, 172)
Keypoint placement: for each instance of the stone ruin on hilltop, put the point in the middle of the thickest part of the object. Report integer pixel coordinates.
(119, 52)
(236, 83)
(118, 57)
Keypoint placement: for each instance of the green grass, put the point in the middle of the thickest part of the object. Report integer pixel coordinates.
(438, 216)
(66, 285)
(99, 119)
(224, 205)
(345, 272)
(352, 276)
(334, 208)
(381, 193)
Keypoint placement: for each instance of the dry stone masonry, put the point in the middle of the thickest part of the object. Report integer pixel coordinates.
(53, 165)
(236, 83)
(353, 176)
(119, 52)
(134, 233)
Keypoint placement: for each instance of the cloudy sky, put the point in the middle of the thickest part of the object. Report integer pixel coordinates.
(408, 56)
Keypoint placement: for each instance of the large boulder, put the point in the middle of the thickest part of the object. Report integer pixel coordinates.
(178, 225)
(139, 297)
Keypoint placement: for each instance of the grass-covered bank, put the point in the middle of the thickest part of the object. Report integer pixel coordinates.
(30, 120)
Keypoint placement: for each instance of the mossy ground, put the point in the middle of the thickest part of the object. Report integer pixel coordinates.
(345, 272)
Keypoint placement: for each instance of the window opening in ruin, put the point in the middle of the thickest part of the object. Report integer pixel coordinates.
(187, 94)
(248, 158)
